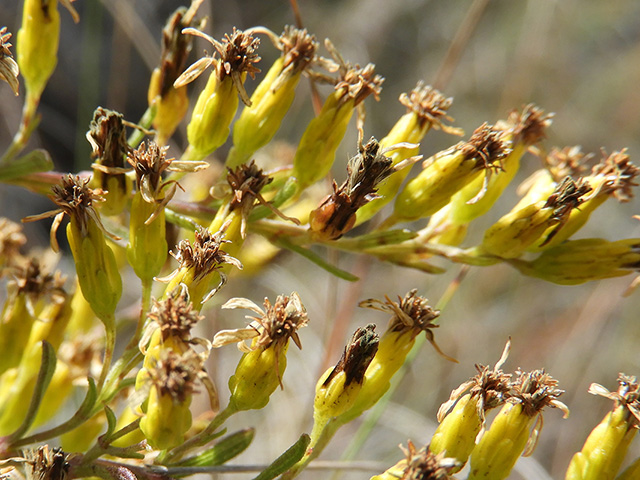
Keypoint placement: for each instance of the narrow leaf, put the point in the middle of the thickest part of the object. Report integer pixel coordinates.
(287, 460)
(47, 367)
(223, 451)
(318, 260)
(33, 162)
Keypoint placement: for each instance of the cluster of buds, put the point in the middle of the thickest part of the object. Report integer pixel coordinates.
(51, 342)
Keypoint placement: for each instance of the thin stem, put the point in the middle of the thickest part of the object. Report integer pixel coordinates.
(110, 343)
(27, 125)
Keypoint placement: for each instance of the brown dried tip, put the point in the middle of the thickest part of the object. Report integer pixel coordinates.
(535, 391)
(620, 173)
(491, 385)
(175, 315)
(108, 138)
(273, 326)
(628, 396)
(176, 374)
(425, 465)
(357, 356)
(485, 147)
(12, 239)
(205, 255)
(529, 127)
(430, 106)
(298, 48)
(566, 162)
(34, 283)
(410, 314)
(9, 69)
(336, 215)
(76, 199)
(568, 195)
(176, 46)
(358, 83)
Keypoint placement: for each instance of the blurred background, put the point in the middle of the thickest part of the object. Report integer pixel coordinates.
(578, 59)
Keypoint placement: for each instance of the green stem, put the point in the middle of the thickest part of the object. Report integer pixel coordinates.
(110, 343)
(129, 359)
(27, 125)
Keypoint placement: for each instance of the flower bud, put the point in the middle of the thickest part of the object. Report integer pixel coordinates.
(411, 316)
(521, 130)
(171, 103)
(337, 213)
(510, 236)
(511, 433)
(462, 417)
(217, 104)
(260, 121)
(171, 382)
(339, 387)
(317, 148)
(447, 172)
(262, 366)
(108, 139)
(426, 108)
(37, 43)
(579, 261)
(605, 448)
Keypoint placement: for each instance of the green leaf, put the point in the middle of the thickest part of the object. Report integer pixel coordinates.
(33, 162)
(223, 451)
(112, 422)
(287, 460)
(318, 260)
(47, 367)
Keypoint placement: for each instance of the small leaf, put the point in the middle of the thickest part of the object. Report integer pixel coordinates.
(47, 367)
(111, 423)
(318, 260)
(33, 162)
(223, 451)
(287, 460)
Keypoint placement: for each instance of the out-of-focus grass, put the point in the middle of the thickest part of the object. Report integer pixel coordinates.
(578, 59)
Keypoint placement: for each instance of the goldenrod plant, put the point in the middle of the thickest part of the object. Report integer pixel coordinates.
(115, 339)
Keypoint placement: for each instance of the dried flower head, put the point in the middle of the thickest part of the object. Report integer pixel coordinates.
(175, 374)
(486, 147)
(42, 463)
(411, 313)
(9, 70)
(424, 465)
(430, 106)
(108, 138)
(568, 161)
(336, 215)
(568, 195)
(490, 385)
(237, 57)
(619, 174)
(34, 283)
(356, 357)
(11, 240)
(76, 199)
(530, 125)
(176, 46)
(298, 48)
(536, 390)
(627, 395)
(204, 256)
(175, 316)
(273, 325)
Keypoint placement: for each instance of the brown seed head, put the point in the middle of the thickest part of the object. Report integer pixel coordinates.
(358, 83)
(175, 315)
(205, 255)
(425, 465)
(430, 106)
(12, 239)
(529, 127)
(298, 48)
(568, 161)
(336, 215)
(628, 396)
(485, 147)
(357, 356)
(281, 321)
(620, 173)
(536, 390)
(108, 138)
(149, 161)
(237, 54)
(9, 70)
(175, 375)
